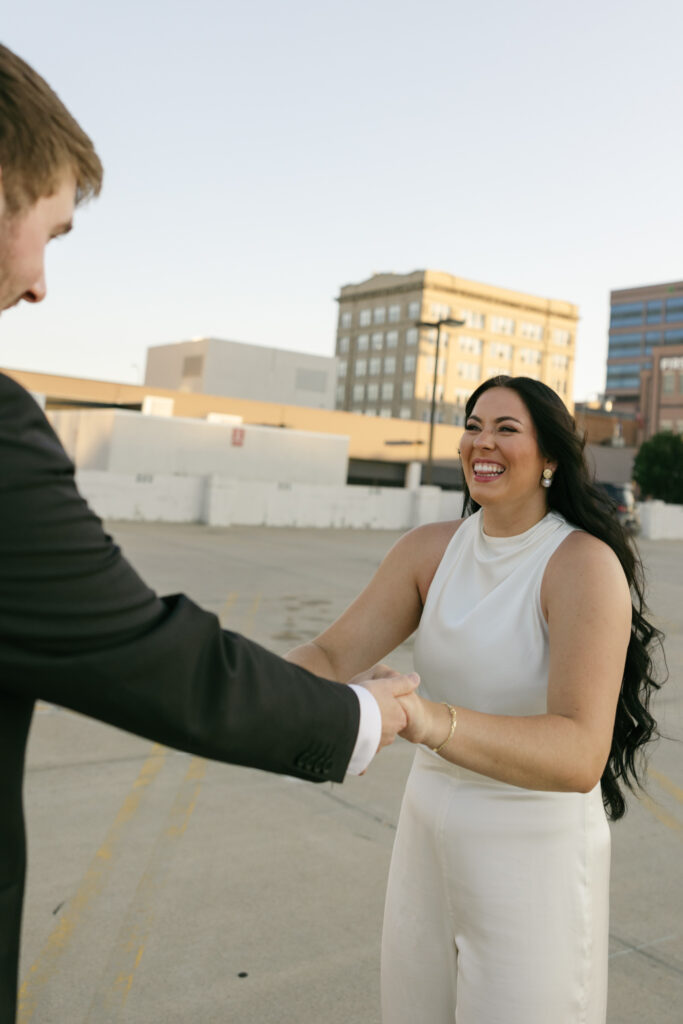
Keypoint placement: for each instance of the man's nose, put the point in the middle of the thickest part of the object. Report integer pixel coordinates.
(37, 291)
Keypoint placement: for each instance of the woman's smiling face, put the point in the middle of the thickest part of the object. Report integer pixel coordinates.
(500, 456)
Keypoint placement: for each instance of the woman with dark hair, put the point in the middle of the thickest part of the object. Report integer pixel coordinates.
(534, 656)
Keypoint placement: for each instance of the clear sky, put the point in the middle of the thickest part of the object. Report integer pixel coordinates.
(259, 155)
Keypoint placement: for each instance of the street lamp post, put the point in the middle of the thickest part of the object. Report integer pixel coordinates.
(446, 322)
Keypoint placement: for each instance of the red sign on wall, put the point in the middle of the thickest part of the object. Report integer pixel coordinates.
(237, 437)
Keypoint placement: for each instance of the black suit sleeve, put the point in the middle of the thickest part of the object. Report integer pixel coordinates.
(78, 627)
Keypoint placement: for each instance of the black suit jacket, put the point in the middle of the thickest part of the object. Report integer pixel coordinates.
(78, 627)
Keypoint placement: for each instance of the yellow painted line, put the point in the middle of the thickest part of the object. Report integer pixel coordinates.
(666, 783)
(227, 606)
(659, 813)
(248, 626)
(108, 1003)
(43, 968)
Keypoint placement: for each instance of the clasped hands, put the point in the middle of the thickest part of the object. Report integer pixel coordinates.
(404, 713)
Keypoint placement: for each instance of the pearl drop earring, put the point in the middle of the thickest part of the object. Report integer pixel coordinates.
(547, 478)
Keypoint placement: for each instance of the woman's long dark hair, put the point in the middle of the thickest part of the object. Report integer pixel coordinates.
(574, 494)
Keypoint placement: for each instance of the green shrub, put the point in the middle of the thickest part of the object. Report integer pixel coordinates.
(658, 468)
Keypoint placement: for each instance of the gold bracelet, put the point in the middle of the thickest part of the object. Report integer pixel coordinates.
(454, 721)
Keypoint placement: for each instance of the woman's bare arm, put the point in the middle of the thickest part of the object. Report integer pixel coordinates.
(386, 612)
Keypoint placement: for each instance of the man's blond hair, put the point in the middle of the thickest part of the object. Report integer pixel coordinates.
(39, 139)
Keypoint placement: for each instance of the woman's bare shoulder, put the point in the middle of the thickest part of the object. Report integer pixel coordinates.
(582, 561)
(580, 549)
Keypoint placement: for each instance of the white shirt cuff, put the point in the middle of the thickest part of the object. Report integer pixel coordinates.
(369, 731)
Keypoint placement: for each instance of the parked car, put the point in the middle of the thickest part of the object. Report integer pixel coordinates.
(624, 499)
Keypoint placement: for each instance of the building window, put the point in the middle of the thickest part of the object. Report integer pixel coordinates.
(469, 371)
(341, 368)
(365, 317)
(392, 339)
(405, 412)
(562, 362)
(625, 344)
(534, 332)
(412, 335)
(673, 337)
(409, 362)
(460, 396)
(375, 366)
(654, 312)
(358, 392)
(529, 355)
(499, 351)
(193, 366)
(666, 424)
(343, 344)
(341, 394)
(440, 311)
(473, 318)
(387, 390)
(561, 337)
(390, 364)
(379, 315)
(467, 344)
(668, 382)
(623, 314)
(346, 318)
(502, 325)
(674, 309)
(385, 414)
(377, 341)
(414, 310)
(370, 412)
(361, 367)
(394, 314)
(373, 392)
(363, 342)
(407, 389)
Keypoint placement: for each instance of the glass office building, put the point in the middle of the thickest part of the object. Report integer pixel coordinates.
(640, 319)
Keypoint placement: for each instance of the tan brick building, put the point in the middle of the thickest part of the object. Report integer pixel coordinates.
(386, 364)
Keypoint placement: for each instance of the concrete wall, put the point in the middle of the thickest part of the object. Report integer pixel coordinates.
(219, 501)
(660, 521)
(126, 442)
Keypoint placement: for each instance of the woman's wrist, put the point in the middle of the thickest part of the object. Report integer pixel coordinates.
(440, 727)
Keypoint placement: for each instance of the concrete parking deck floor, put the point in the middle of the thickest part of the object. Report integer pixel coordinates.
(163, 888)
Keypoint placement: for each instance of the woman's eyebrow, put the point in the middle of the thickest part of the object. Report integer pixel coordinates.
(498, 419)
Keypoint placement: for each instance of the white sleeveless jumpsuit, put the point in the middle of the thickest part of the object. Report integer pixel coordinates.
(497, 900)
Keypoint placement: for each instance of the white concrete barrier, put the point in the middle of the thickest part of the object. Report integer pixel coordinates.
(144, 496)
(661, 521)
(219, 501)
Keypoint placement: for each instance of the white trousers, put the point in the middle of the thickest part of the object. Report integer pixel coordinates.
(497, 903)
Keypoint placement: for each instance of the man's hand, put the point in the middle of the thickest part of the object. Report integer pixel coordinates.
(386, 690)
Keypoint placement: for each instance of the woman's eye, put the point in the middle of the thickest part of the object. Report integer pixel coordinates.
(470, 426)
